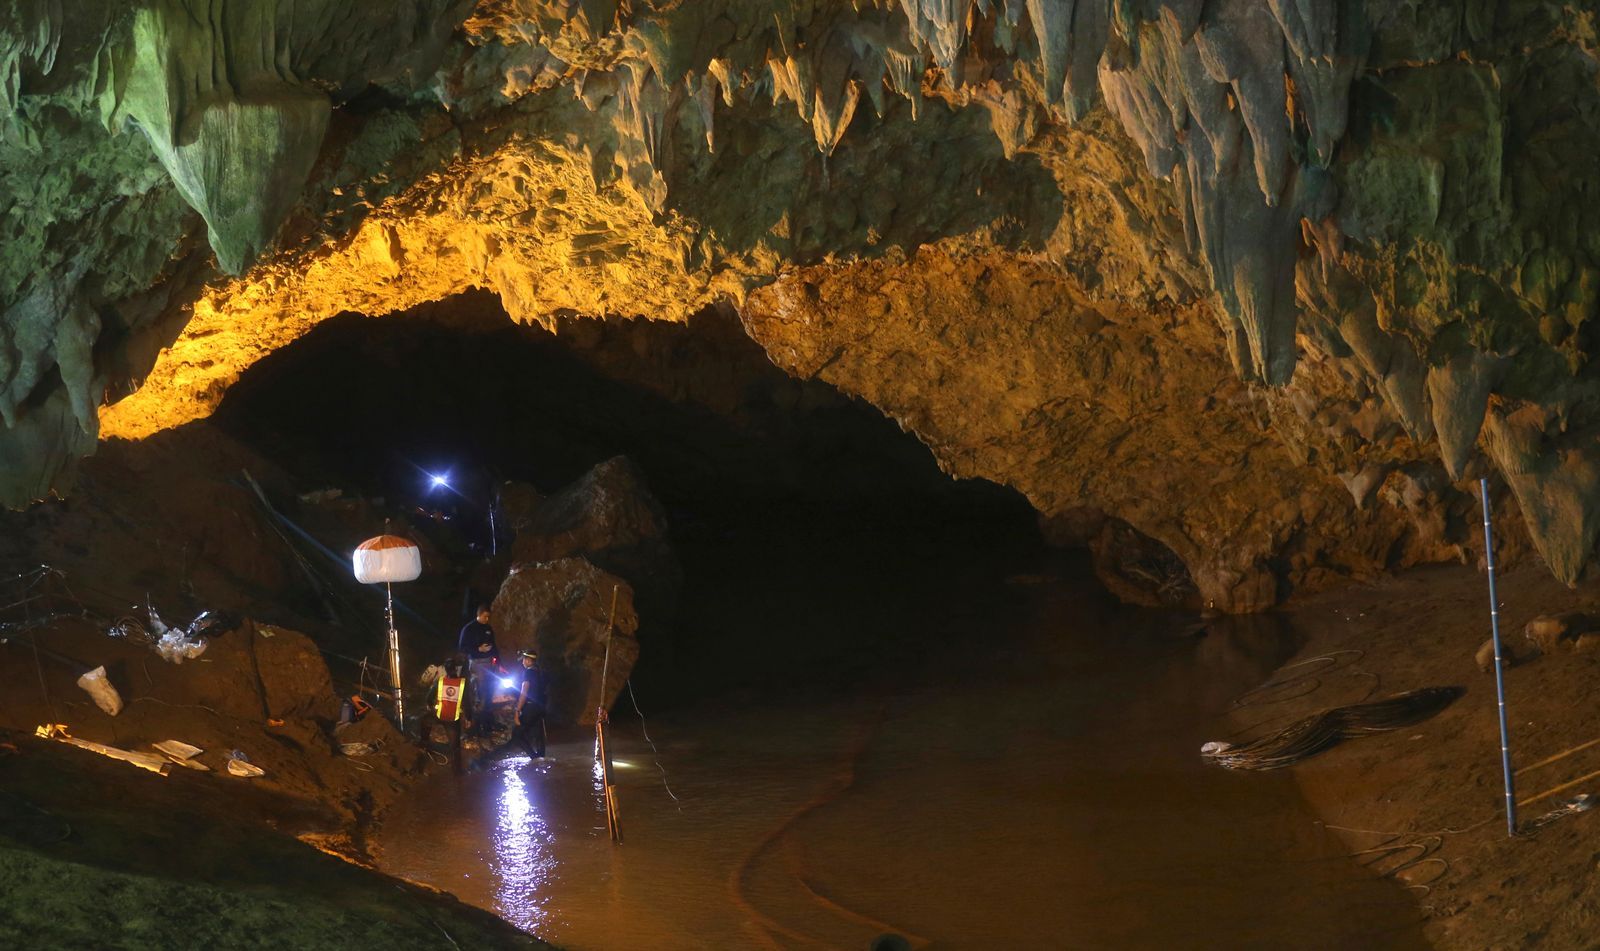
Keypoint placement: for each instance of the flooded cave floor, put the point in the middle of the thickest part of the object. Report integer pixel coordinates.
(1426, 804)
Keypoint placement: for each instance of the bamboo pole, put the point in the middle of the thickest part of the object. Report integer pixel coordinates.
(602, 748)
(1559, 756)
(1561, 788)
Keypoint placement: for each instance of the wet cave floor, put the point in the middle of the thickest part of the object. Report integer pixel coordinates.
(1005, 757)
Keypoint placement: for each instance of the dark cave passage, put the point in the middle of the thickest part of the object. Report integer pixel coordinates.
(785, 498)
(455, 385)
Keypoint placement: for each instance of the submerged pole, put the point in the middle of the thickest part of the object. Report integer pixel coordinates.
(602, 748)
(1499, 665)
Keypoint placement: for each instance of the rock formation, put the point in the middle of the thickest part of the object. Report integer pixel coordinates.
(1265, 281)
(562, 610)
(610, 519)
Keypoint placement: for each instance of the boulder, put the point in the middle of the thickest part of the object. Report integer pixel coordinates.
(609, 518)
(294, 677)
(1549, 630)
(562, 609)
(517, 502)
(1485, 656)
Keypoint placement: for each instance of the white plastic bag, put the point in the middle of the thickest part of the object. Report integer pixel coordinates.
(174, 646)
(99, 688)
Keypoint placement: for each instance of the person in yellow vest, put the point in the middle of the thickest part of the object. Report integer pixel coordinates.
(448, 701)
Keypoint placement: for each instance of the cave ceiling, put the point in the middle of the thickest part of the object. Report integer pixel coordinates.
(1271, 281)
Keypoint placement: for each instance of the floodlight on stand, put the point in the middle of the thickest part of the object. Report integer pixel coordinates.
(387, 559)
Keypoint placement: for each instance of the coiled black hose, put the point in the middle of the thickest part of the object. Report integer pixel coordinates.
(1320, 731)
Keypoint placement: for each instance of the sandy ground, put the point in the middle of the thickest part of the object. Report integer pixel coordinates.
(1426, 804)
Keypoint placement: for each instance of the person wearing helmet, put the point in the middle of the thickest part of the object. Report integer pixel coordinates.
(528, 716)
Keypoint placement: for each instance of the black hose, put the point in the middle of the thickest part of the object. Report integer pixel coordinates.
(1313, 734)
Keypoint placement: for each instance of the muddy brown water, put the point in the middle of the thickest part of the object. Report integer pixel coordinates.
(1029, 779)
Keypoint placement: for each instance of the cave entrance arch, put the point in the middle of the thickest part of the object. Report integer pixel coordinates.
(777, 489)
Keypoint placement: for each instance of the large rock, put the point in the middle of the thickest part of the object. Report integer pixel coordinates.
(562, 609)
(609, 518)
(256, 672)
(1549, 631)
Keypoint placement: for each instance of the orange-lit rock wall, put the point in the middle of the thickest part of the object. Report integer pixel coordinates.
(1352, 234)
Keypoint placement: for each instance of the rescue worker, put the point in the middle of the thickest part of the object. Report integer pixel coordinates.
(447, 701)
(528, 716)
(483, 657)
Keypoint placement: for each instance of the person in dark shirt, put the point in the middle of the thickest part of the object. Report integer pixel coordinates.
(483, 656)
(528, 719)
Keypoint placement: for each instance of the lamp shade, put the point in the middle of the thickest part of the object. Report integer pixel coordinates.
(387, 558)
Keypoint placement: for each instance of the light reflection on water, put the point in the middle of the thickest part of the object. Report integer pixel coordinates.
(523, 859)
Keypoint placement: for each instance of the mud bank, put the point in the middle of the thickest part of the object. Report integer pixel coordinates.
(95, 853)
(98, 853)
(1424, 805)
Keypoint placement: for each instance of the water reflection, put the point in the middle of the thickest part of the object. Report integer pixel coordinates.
(524, 861)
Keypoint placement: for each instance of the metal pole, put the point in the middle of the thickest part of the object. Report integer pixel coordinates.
(1499, 674)
(394, 663)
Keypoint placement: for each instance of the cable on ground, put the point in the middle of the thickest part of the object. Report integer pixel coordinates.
(1320, 731)
(643, 729)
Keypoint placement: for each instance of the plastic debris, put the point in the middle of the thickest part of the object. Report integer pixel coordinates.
(177, 749)
(98, 687)
(1573, 806)
(183, 754)
(240, 765)
(148, 761)
(175, 644)
(358, 749)
(354, 709)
